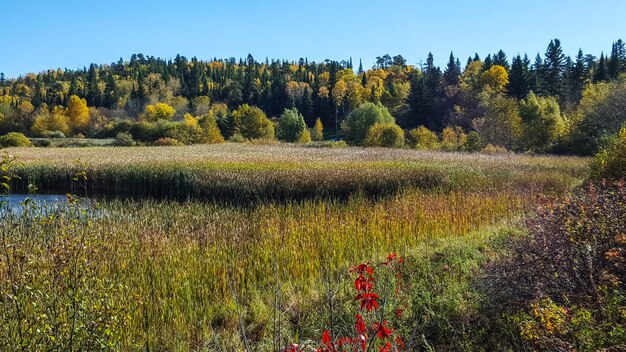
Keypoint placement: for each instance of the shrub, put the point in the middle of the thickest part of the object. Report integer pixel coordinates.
(212, 132)
(15, 139)
(237, 138)
(610, 163)
(423, 138)
(387, 135)
(53, 134)
(453, 138)
(566, 278)
(166, 142)
(494, 149)
(158, 111)
(305, 137)
(473, 142)
(318, 130)
(252, 123)
(124, 139)
(185, 133)
(291, 125)
(334, 144)
(42, 143)
(364, 117)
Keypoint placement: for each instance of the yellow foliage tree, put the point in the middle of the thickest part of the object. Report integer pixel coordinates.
(318, 130)
(158, 111)
(55, 121)
(496, 78)
(78, 114)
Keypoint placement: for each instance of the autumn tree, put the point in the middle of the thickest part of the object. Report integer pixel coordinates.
(78, 114)
(158, 111)
(542, 122)
(364, 117)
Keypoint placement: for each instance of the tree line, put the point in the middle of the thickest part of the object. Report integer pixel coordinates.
(541, 105)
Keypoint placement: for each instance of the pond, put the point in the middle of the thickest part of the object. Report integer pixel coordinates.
(47, 203)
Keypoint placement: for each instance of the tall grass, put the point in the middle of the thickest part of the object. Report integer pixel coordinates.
(159, 275)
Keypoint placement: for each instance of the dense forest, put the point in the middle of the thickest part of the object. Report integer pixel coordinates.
(554, 103)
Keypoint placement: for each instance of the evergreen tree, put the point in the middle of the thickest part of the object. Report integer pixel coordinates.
(537, 76)
(500, 59)
(519, 77)
(452, 72)
(94, 94)
(578, 77)
(360, 68)
(487, 63)
(554, 66)
(601, 73)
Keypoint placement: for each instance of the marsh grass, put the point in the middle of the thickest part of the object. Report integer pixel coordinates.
(164, 275)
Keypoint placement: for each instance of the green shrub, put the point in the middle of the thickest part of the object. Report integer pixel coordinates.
(211, 130)
(453, 138)
(473, 142)
(387, 135)
(364, 117)
(252, 123)
(237, 138)
(185, 133)
(53, 134)
(15, 139)
(124, 139)
(610, 163)
(291, 125)
(42, 143)
(423, 138)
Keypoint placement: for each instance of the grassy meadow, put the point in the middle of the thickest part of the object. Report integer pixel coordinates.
(174, 270)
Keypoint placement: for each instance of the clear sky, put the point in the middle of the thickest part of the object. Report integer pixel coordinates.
(42, 34)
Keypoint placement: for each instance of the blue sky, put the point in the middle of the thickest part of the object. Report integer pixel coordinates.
(42, 34)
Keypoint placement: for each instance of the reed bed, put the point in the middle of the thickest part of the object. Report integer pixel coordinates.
(243, 173)
(161, 275)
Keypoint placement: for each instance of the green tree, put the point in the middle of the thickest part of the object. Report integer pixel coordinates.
(291, 125)
(252, 123)
(542, 122)
(364, 117)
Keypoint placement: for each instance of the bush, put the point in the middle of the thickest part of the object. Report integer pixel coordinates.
(237, 138)
(167, 142)
(318, 130)
(15, 139)
(124, 139)
(158, 111)
(453, 138)
(473, 142)
(291, 125)
(53, 134)
(610, 163)
(423, 138)
(252, 123)
(42, 143)
(387, 135)
(185, 133)
(565, 280)
(364, 117)
(305, 137)
(494, 149)
(212, 132)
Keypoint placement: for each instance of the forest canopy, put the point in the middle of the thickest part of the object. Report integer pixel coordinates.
(554, 103)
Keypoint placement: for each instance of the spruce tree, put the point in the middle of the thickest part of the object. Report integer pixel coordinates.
(519, 78)
(601, 74)
(452, 72)
(554, 67)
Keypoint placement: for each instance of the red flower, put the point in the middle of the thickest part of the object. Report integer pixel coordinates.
(386, 348)
(359, 325)
(368, 301)
(363, 284)
(382, 330)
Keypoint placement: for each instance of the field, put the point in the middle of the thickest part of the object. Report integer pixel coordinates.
(162, 274)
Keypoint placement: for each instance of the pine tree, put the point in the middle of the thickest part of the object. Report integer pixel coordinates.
(487, 63)
(537, 76)
(360, 68)
(519, 78)
(452, 72)
(601, 74)
(578, 77)
(94, 94)
(500, 59)
(554, 66)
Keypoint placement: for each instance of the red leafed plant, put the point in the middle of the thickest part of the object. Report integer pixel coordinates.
(372, 330)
